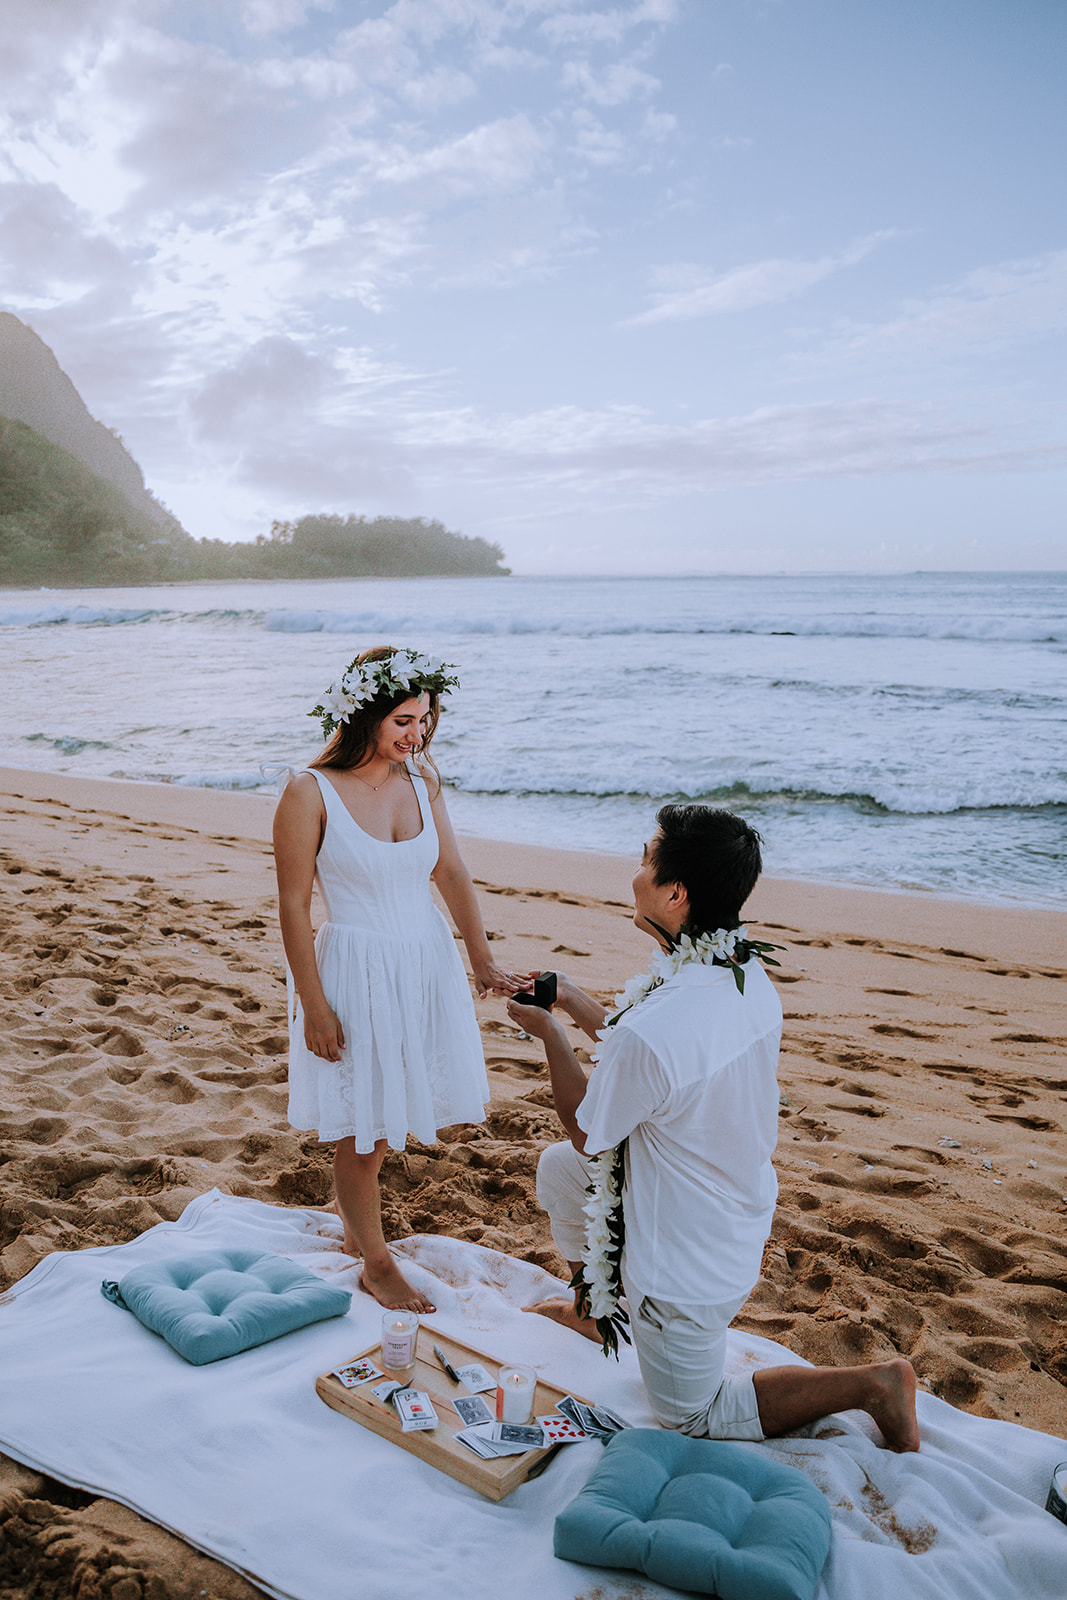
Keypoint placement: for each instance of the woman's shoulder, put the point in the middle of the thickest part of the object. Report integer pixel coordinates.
(303, 789)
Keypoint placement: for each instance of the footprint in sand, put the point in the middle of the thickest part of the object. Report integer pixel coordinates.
(894, 1031)
(116, 1041)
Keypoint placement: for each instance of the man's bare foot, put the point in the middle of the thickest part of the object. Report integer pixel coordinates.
(385, 1281)
(563, 1311)
(892, 1403)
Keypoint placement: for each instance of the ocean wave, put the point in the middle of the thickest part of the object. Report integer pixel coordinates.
(197, 780)
(68, 744)
(222, 780)
(1004, 630)
(555, 622)
(77, 615)
(888, 800)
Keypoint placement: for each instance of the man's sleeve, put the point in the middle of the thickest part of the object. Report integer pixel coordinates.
(627, 1087)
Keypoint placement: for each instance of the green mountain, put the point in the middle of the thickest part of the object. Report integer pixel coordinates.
(34, 389)
(74, 508)
(62, 524)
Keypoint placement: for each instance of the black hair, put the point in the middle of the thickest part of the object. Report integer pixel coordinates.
(714, 855)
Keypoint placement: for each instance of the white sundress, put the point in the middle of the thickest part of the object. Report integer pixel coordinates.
(413, 1059)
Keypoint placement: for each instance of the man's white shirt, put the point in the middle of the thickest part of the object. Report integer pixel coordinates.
(689, 1078)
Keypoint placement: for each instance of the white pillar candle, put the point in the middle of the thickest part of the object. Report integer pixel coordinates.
(515, 1387)
(400, 1330)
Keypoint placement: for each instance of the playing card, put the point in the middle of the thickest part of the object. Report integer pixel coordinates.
(561, 1430)
(475, 1378)
(475, 1440)
(607, 1419)
(527, 1434)
(597, 1421)
(357, 1372)
(385, 1391)
(472, 1408)
(415, 1410)
(481, 1440)
(569, 1407)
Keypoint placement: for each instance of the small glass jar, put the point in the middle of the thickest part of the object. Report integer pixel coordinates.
(400, 1332)
(515, 1390)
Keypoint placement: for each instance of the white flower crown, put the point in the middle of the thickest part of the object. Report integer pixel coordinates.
(402, 672)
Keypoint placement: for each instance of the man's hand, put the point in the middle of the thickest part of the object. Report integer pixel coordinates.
(534, 1020)
(568, 1079)
(589, 1014)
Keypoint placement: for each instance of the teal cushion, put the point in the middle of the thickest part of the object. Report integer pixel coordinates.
(220, 1302)
(698, 1514)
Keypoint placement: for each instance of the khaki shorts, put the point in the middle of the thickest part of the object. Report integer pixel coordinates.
(681, 1349)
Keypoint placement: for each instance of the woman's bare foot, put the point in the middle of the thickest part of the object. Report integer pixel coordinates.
(563, 1311)
(892, 1404)
(385, 1281)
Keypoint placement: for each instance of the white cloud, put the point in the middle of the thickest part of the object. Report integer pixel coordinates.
(498, 155)
(990, 309)
(598, 452)
(51, 249)
(272, 385)
(272, 16)
(599, 145)
(759, 283)
(613, 85)
(316, 430)
(607, 26)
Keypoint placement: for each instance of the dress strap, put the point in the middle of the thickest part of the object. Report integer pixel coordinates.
(326, 788)
(422, 793)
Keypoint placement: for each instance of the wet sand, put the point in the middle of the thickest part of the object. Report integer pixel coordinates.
(921, 1159)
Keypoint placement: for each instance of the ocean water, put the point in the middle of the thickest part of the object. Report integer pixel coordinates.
(899, 732)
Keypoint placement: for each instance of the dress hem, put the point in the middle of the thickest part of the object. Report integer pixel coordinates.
(354, 1133)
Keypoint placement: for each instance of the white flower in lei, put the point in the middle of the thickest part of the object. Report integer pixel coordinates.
(401, 672)
(598, 1281)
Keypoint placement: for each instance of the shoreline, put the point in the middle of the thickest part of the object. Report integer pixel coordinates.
(250, 812)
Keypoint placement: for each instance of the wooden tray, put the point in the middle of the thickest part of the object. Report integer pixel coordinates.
(439, 1446)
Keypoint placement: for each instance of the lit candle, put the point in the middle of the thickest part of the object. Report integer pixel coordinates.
(400, 1330)
(515, 1388)
(1057, 1495)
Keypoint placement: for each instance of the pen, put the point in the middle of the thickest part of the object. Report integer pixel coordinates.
(449, 1368)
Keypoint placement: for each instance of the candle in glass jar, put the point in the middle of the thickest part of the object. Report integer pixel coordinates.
(400, 1330)
(515, 1388)
(1057, 1495)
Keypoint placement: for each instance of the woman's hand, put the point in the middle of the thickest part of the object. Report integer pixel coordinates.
(323, 1033)
(487, 975)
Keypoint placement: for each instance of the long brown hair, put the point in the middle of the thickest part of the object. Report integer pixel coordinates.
(352, 741)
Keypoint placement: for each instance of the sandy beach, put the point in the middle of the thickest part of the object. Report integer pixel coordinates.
(921, 1158)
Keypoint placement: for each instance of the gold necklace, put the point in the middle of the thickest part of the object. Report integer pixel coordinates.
(374, 786)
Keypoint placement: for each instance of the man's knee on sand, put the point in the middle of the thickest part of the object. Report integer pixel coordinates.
(562, 1183)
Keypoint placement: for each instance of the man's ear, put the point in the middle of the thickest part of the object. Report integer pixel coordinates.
(679, 902)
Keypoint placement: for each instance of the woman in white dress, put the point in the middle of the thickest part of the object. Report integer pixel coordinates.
(383, 1039)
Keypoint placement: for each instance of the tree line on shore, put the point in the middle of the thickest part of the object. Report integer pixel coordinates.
(60, 524)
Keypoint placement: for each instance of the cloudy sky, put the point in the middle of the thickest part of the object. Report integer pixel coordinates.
(635, 285)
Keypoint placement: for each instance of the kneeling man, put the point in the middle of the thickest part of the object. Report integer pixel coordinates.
(687, 1079)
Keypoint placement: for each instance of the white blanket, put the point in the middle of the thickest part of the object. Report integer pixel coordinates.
(244, 1461)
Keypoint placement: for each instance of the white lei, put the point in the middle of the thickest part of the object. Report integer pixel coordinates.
(600, 1270)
